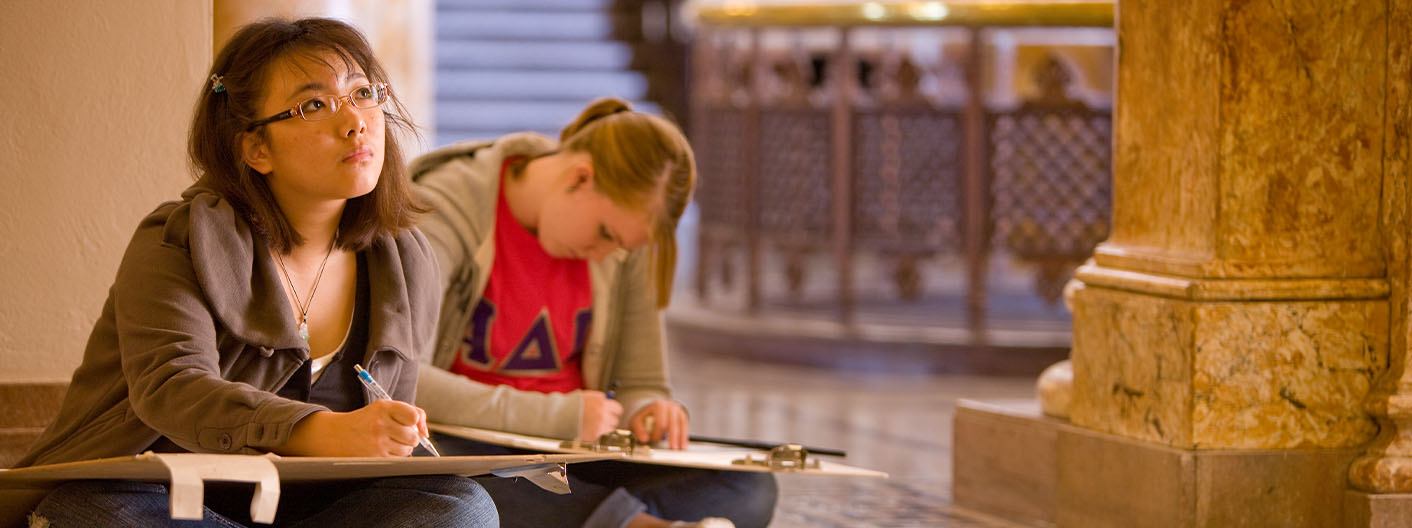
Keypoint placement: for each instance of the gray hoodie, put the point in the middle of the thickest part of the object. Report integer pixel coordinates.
(625, 339)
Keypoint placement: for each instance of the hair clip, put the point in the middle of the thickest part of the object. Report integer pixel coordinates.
(216, 85)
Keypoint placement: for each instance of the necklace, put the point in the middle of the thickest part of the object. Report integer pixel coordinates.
(304, 305)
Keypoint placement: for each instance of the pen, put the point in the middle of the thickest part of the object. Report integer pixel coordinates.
(380, 394)
(764, 445)
(612, 394)
(647, 424)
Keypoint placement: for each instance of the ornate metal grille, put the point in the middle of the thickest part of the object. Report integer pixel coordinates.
(933, 174)
(720, 186)
(794, 174)
(1051, 182)
(1051, 166)
(908, 188)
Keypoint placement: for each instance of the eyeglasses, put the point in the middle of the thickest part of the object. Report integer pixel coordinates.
(325, 106)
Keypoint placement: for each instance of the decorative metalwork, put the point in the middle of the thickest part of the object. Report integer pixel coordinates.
(794, 191)
(721, 166)
(908, 190)
(1051, 170)
(794, 170)
(932, 176)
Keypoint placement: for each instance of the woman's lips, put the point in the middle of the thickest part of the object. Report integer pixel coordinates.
(359, 154)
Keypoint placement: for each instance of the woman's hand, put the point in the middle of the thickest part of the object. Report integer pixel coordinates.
(662, 418)
(600, 415)
(383, 428)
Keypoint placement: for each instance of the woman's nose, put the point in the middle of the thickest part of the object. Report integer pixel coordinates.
(600, 250)
(356, 124)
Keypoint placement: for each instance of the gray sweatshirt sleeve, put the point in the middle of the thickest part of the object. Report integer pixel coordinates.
(451, 398)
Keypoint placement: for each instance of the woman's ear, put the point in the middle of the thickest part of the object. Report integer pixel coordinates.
(255, 152)
(581, 175)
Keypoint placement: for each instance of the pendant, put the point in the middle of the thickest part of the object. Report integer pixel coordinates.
(304, 330)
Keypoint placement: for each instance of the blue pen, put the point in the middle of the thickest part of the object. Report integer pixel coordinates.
(380, 394)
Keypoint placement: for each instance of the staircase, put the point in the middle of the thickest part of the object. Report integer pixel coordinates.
(510, 65)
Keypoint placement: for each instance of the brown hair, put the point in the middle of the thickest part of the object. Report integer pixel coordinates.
(638, 159)
(223, 115)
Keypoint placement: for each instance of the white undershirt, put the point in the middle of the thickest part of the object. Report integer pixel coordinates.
(316, 365)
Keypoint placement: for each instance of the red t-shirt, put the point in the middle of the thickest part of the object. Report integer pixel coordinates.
(529, 328)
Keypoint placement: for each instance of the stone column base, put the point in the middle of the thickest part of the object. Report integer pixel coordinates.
(1003, 459)
(1377, 510)
(1012, 462)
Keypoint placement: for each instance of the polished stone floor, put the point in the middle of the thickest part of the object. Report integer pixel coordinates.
(898, 423)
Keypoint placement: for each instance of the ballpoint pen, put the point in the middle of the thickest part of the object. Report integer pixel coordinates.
(612, 391)
(380, 394)
(764, 445)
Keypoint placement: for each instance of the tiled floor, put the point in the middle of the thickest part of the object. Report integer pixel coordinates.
(897, 423)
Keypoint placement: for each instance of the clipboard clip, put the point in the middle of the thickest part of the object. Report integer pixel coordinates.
(615, 441)
(787, 457)
(190, 471)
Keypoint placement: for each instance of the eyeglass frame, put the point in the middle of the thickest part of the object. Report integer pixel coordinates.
(338, 101)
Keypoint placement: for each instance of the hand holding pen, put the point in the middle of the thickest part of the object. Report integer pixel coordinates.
(600, 415)
(664, 420)
(380, 394)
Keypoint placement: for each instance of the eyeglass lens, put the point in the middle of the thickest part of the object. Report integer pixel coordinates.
(325, 106)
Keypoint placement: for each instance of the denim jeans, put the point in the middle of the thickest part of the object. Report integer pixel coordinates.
(417, 501)
(609, 494)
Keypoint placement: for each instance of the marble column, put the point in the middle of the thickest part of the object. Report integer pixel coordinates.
(1386, 466)
(1252, 293)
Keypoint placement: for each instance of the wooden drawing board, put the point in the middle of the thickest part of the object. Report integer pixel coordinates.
(149, 467)
(696, 455)
(188, 472)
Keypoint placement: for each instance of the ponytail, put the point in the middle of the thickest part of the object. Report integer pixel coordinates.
(596, 110)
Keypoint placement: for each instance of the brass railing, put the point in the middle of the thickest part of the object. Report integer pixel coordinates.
(818, 132)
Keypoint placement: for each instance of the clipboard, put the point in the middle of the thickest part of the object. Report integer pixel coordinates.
(187, 473)
(697, 455)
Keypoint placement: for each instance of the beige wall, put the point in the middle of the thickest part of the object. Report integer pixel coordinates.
(95, 103)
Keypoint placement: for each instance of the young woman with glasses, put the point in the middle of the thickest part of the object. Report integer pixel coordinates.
(556, 258)
(240, 310)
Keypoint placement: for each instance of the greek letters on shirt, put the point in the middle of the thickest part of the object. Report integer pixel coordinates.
(530, 325)
(535, 354)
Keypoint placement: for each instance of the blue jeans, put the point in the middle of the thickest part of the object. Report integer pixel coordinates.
(609, 494)
(432, 500)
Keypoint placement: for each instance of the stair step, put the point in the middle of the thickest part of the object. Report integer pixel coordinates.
(562, 55)
(553, 85)
(530, 65)
(556, 5)
(526, 25)
(448, 136)
(513, 115)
